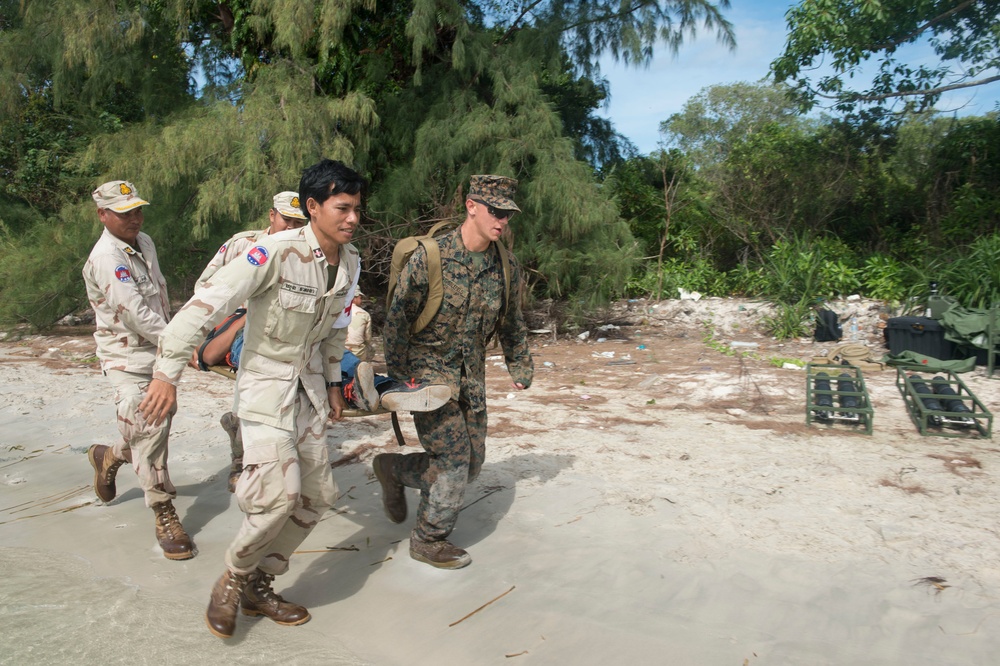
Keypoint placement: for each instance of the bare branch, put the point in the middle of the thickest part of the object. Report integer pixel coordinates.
(914, 93)
(607, 17)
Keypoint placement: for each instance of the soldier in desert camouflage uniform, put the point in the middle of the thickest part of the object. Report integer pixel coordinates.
(295, 284)
(452, 350)
(285, 214)
(129, 296)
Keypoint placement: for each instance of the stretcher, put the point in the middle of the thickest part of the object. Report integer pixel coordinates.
(230, 372)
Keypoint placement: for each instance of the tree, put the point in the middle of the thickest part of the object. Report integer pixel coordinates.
(418, 95)
(745, 141)
(712, 121)
(845, 35)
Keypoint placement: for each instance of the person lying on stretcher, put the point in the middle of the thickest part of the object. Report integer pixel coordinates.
(362, 388)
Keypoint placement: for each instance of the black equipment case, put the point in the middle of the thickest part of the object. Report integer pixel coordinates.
(918, 334)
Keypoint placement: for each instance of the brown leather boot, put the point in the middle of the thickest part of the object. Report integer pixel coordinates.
(221, 614)
(393, 493)
(257, 598)
(231, 425)
(174, 541)
(105, 465)
(441, 554)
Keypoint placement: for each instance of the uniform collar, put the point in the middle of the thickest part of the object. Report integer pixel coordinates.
(310, 236)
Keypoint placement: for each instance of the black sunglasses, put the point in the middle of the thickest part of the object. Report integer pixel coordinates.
(499, 213)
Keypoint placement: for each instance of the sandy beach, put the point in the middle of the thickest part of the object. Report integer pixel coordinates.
(650, 500)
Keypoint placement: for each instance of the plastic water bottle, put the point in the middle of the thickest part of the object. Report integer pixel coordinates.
(934, 292)
(854, 328)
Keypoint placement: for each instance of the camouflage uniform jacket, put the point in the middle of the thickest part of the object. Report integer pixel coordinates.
(231, 249)
(295, 327)
(129, 296)
(452, 348)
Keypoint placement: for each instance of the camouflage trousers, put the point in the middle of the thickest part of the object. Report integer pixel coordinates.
(285, 488)
(148, 443)
(454, 441)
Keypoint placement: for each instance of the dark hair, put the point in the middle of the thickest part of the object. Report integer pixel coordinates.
(326, 178)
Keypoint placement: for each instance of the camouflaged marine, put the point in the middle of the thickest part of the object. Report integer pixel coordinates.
(451, 349)
(129, 296)
(296, 285)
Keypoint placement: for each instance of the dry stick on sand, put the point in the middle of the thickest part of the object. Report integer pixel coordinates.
(46, 513)
(21, 460)
(48, 499)
(328, 549)
(483, 606)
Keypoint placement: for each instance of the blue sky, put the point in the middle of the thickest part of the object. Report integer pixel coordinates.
(642, 98)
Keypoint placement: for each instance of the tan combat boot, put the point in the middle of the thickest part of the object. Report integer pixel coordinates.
(257, 598)
(221, 614)
(105, 465)
(231, 425)
(174, 541)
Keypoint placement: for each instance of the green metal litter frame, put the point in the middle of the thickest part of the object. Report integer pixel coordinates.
(924, 418)
(860, 415)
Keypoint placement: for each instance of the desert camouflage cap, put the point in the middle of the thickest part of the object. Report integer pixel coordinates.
(496, 191)
(287, 203)
(118, 195)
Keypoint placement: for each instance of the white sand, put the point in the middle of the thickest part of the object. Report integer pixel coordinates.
(674, 509)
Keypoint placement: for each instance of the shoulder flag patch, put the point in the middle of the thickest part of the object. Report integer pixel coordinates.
(123, 274)
(257, 256)
(223, 248)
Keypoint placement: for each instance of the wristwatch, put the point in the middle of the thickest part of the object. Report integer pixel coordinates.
(331, 385)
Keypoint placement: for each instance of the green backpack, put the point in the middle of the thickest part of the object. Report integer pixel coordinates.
(401, 253)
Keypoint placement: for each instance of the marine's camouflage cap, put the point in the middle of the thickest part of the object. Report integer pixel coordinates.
(287, 203)
(118, 195)
(496, 191)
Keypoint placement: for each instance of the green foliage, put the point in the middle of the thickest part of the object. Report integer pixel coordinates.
(718, 117)
(973, 278)
(884, 278)
(676, 274)
(790, 320)
(418, 95)
(747, 280)
(58, 278)
(846, 35)
(965, 174)
(802, 269)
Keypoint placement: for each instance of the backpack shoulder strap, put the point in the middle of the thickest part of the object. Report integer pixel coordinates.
(435, 284)
(505, 265)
